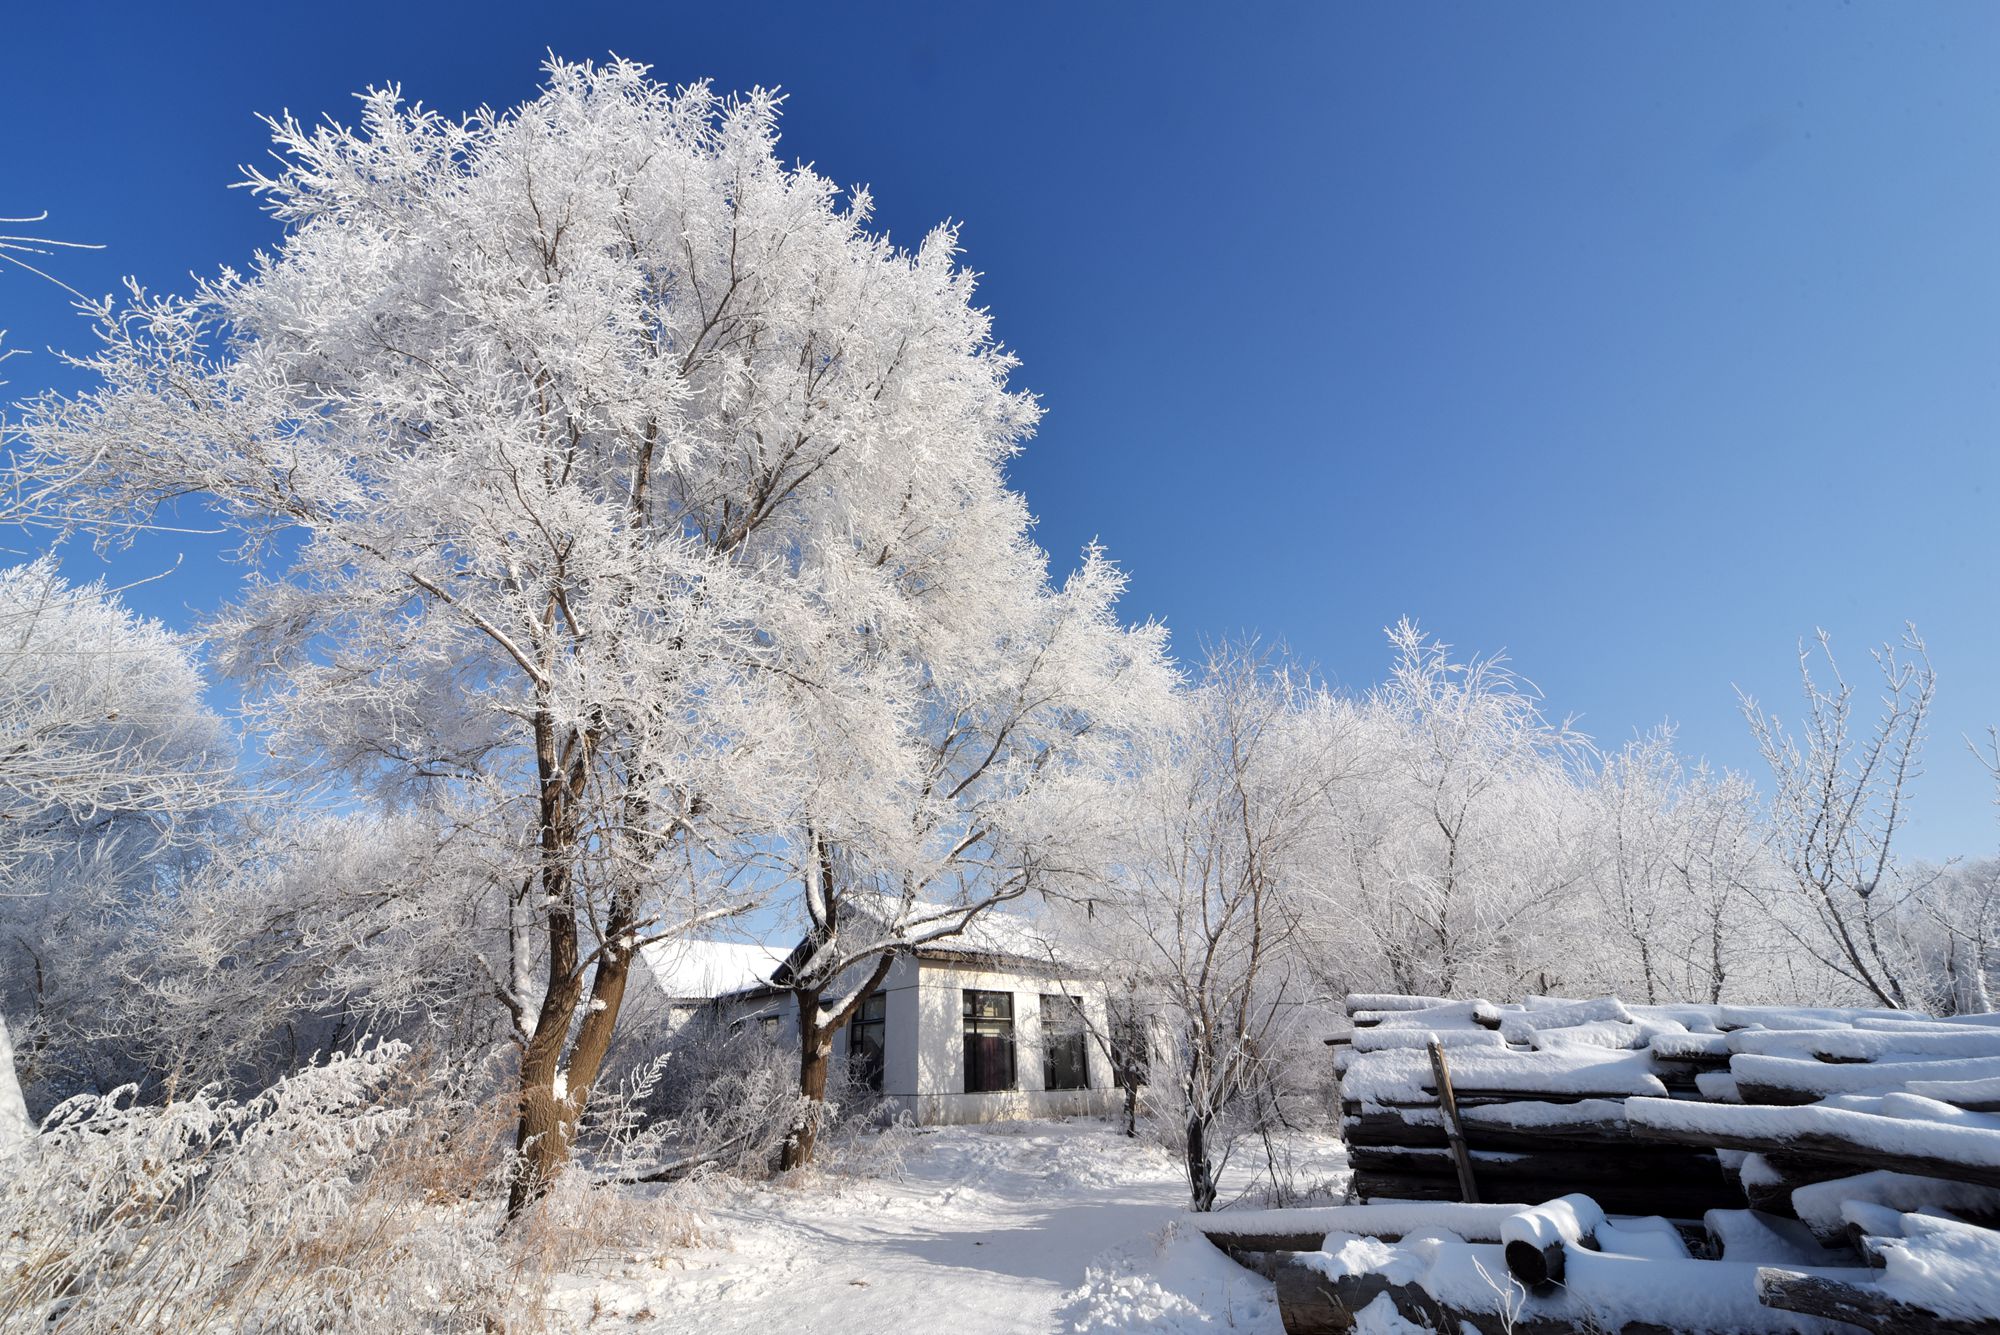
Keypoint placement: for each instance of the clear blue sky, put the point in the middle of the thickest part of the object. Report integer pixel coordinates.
(1635, 341)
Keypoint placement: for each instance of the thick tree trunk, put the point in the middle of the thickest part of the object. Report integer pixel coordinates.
(541, 1141)
(1201, 1172)
(815, 1055)
(816, 1036)
(554, 1094)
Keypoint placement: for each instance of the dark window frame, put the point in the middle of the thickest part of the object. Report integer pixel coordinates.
(988, 1015)
(1065, 1055)
(870, 1022)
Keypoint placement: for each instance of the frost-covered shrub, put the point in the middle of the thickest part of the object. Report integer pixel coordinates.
(347, 1196)
(713, 1101)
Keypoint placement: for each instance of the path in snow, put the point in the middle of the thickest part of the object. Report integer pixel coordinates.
(999, 1230)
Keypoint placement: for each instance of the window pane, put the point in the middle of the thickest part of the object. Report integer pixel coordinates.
(989, 1041)
(989, 1005)
(1065, 1056)
(866, 1047)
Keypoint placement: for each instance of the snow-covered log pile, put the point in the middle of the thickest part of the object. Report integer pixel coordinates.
(1568, 1266)
(1541, 1089)
(1867, 1143)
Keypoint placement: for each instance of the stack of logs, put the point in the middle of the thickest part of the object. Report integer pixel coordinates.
(1790, 1167)
(1540, 1093)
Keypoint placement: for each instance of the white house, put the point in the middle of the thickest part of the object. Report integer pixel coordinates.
(985, 1026)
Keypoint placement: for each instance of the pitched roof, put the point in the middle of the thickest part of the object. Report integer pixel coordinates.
(696, 970)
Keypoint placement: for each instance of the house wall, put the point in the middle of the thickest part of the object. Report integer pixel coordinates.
(924, 1058)
(938, 1094)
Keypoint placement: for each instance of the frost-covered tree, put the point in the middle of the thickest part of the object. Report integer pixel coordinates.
(295, 936)
(1462, 858)
(1840, 796)
(1682, 851)
(1214, 889)
(15, 250)
(110, 764)
(994, 783)
(579, 451)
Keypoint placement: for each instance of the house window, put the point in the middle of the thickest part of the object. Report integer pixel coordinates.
(1131, 1053)
(1064, 1063)
(989, 1041)
(865, 1041)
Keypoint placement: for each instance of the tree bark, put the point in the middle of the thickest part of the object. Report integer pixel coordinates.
(816, 1036)
(815, 1053)
(1201, 1172)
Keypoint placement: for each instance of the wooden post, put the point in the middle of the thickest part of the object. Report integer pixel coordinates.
(1454, 1130)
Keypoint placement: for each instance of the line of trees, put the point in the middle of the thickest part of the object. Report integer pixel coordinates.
(627, 549)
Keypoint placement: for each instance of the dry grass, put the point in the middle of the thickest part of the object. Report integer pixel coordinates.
(356, 1197)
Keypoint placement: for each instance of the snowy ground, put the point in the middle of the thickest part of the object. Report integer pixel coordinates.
(1018, 1227)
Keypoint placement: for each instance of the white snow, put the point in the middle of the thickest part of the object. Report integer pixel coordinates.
(1945, 1265)
(1005, 1229)
(1887, 1135)
(1541, 1014)
(1568, 1219)
(1717, 1087)
(1405, 1077)
(15, 1128)
(1820, 1204)
(1768, 1239)
(695, 970)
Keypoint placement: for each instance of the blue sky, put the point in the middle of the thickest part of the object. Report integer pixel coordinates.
(1634, 341)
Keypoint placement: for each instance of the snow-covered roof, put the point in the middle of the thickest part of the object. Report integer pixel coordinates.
(996, 933)
(689, 969)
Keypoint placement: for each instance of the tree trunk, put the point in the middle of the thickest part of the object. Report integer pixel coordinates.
(815, 1054)
(541, 1142)
(816, 1035)
(1201, 1172)
(549, 1115)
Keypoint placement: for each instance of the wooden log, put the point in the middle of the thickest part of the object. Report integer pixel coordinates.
(1536, 1242)
(1672, 1199)
(1971, 1095)
(1584, 1167)
(1863, 1045)
(1400, 1128)
(1836, 1134)
(1479, 1096)
(1304, 1228)
(1539, 1268)
(1861, 1305)
(1313, 1303)
(1454, 1129)
(1310, 1302)
(1392, 1001)
(1768, 1180)
(1796, 1080)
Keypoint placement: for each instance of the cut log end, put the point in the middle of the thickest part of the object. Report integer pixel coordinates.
(1538, 1268)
